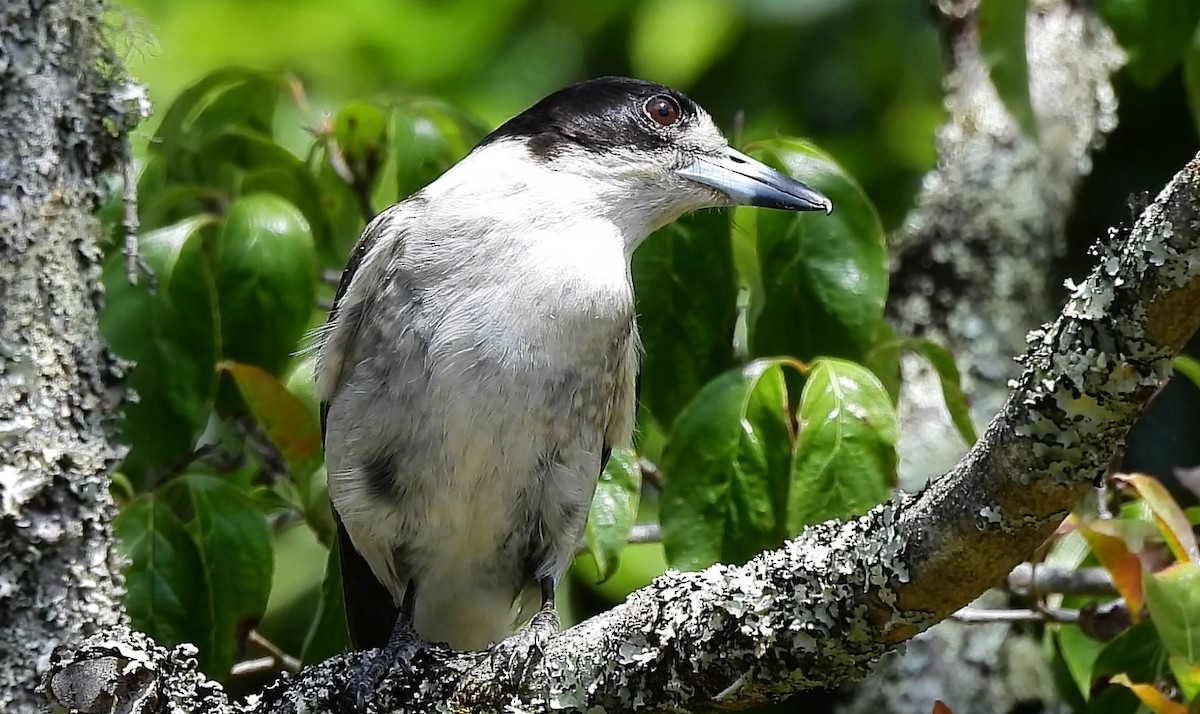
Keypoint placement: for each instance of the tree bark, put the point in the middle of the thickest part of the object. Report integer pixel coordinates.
(64, 114)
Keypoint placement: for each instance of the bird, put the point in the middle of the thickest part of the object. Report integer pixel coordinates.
(480, 360)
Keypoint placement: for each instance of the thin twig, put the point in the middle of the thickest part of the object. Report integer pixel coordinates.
(348, 177)
(1028, 578)
(650, 474)
(275, 660)
(977, 616)
(1103, 512)
(259, 445)
(287, 661)
(213, 455)
(639, 533)
(645, 533)
(250, 667)
(134, 263)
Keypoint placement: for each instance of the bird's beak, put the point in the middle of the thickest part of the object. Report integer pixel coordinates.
(753, 183)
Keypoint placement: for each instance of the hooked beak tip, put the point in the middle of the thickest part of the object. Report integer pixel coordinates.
(749, 182)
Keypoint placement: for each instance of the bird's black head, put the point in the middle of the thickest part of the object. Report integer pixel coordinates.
(647, 149)
(603, 115)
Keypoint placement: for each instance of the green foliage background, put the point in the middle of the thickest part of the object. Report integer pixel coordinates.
(862, 78)
(756, 410)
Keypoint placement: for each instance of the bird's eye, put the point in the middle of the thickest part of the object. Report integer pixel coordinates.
(663, 110)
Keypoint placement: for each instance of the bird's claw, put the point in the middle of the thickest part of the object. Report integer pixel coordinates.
(398, 652)
(516, 657)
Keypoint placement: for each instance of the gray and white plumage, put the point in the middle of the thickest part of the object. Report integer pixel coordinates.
(482, 355)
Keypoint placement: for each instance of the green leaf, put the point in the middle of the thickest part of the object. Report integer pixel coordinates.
(315, 507)
(308, 495)
(725, 468)
(700, 31)
(1154, 33)
(845, 460)
(1064, 682)
(1187, 675)
(1079, 653)
(164, 581)
(687, 307)
(327, 635)
(1173, 599)
(1188, 367)
(288, 422)
(173, 337)
(340, 208)
(823, 278)
(360, 131)
(242, 163)
(174, 203)
(238, 562)
(614, 508)
(1002, 46)
(942, 362)
(1137, 652)
(426, 137)
(1114, 700)
(265, 267)
(233, 97)
(1191, 83)
(883, 359)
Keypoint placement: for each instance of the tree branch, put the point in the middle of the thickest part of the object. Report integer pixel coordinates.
(819, 610)
(1030, 579)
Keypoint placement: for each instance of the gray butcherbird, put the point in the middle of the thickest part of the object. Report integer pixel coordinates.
(481, 358)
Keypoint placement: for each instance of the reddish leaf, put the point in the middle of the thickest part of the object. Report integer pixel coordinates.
(1167, 514)
(939, 707)
(1150, 696)
(286, 420)
(1121, 564)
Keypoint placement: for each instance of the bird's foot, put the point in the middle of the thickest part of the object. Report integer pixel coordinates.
(398, 652)
(517, 656)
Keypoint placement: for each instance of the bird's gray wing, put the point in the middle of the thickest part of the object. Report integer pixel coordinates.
(606, 450)
(370, 611)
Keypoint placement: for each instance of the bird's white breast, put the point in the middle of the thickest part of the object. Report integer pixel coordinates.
(498, 365)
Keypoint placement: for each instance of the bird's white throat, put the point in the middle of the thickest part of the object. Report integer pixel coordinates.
(572, 195)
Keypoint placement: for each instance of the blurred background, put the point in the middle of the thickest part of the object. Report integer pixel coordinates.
(860, 78)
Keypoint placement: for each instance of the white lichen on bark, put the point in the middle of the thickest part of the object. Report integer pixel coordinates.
(125, 671)
(62, 123)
